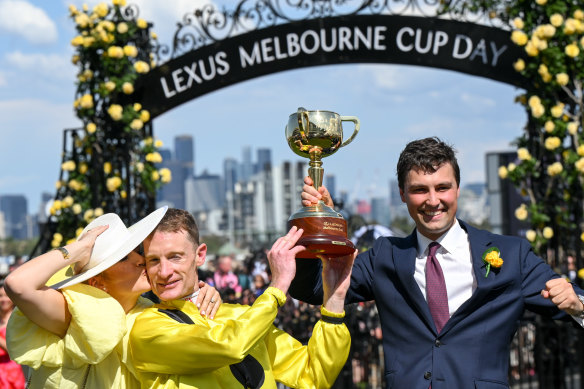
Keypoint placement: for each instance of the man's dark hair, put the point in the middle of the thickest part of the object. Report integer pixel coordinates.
(176, 220)
(426, 155)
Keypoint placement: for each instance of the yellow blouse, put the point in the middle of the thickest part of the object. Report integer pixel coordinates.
(209, 353)
(83, 357)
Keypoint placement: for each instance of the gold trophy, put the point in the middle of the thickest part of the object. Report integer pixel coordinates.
(315, 135)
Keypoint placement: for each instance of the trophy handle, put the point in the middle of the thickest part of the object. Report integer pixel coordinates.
(355, 120)
(302, 113)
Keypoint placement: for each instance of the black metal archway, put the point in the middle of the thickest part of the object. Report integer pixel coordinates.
(204, 61)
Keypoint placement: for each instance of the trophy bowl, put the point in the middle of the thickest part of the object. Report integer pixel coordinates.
(315, 135)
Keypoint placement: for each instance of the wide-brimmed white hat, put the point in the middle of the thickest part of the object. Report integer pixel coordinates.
(113, 244)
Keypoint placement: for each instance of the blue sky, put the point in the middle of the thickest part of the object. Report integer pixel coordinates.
(395, 104)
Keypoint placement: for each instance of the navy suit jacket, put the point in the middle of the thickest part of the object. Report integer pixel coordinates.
(472, 350)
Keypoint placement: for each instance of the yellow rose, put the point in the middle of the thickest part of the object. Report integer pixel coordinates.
(519, 37)
(130, 51)
(523, 154)
(113, 183)
(141, 67)
(107, 167)
(82, 20)
(88, 215)
(57, 237)
(83, 168)
(579, 164)
(76, 209)
(158, 144)
(75, 59)
(57, 204)
(556, 20)
(115, 52)
(540, 44)
(573, 128)
(127, 88)
(521, 212)
(98, 212)
(531, 49)
(88, 41)
(67, 202)
(110, 85)
(541, 2)
(519, 65)
(68, 166)
(154, 175)
(548, 232)
(79, 231)
(144, 116)
(73, 10)
(579, 14)
(101, 10)
(511, 167)
(137, 107)
(580, 150)
(555, 168)
(58, 184)
(165, 175)
(552, 143)
(503, 172)
(115, 111)
(136, 124)
(122, 28)
(75, 185)
(537, 111)
(141, 23)
(562, 79)
(518, 23)
(548, 31)
(571, 26)
(119, 3)
(154, 35)
(123, 194)
(542, 69)
(86, 101)
(91, 128)
(572, 50)
(530, 235)
(148, 141)
(557, 110)
(140, 167)
(153, 157)
(549, 126)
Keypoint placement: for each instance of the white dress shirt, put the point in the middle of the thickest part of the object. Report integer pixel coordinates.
(456, 263)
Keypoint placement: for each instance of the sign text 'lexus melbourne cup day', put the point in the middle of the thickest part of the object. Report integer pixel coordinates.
(464, 47)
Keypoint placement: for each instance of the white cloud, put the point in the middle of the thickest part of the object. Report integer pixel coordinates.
(32, 23)
(53, 65)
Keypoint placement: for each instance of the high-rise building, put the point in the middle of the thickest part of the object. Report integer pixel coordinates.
(288, 180)
(172, 193)
(15, 210)
(246, 164)
(230, 173)
(330, 181)
(264, 162)
(380, 211)
(184, 152)
(204, 193)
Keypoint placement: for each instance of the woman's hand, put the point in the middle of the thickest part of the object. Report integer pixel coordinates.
(208, 300)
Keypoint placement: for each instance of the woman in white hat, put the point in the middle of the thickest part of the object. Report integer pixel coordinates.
(74, 334)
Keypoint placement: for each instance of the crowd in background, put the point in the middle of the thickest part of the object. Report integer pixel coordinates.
(243, 281)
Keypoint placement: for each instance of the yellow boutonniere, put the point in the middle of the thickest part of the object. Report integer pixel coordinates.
(491, 258)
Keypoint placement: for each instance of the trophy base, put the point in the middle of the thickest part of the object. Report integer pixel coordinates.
(331, 246)
(325, 232)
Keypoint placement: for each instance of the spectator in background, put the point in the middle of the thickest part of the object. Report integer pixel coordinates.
(11, 375)
(224, 279)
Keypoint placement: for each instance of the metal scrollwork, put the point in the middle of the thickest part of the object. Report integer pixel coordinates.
(209, 24)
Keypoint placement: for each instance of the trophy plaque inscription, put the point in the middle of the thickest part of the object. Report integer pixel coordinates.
(315, 135)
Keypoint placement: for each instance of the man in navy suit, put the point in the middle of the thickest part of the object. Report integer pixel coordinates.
(481, 305)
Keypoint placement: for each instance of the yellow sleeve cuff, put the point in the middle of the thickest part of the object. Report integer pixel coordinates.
(326, 312)
(278, 295)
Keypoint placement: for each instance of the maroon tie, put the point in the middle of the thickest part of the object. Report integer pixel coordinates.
(436, 288)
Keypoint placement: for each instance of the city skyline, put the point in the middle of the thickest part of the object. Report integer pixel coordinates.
(394, 103)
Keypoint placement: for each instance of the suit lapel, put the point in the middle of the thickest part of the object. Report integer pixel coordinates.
(405, 264)
(479, 243)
